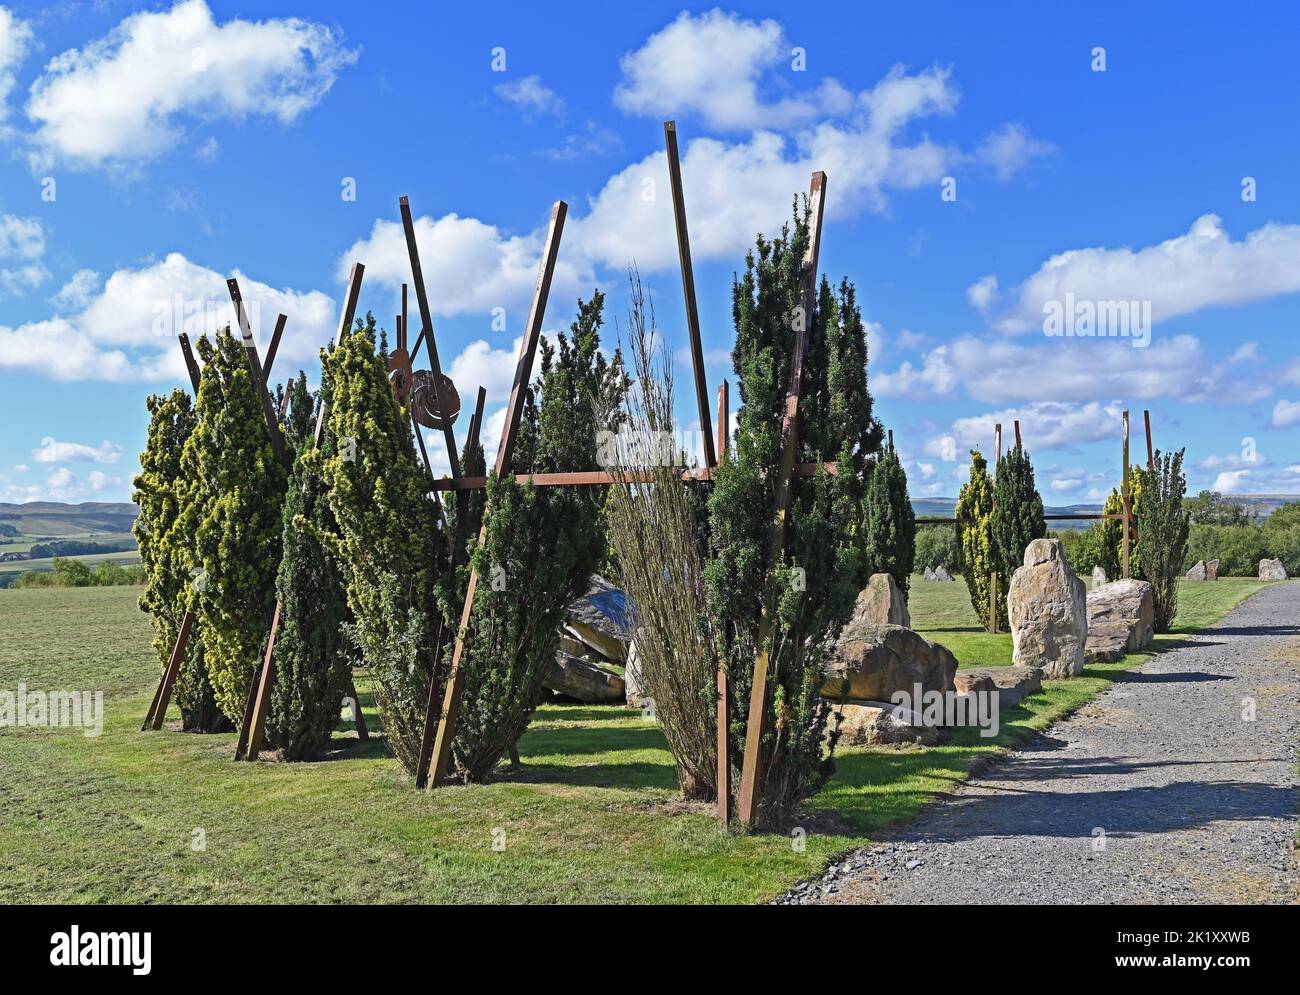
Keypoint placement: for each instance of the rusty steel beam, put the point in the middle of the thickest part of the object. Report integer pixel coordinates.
(255, 368)
(432, 767)
(190, 364)
(750, 764)
(723, 717)
(355, 277)
(163, 696)
(274, 347)
(688, 290)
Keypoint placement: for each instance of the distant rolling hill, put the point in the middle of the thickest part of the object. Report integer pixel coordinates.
(49, 519)
(945, 508)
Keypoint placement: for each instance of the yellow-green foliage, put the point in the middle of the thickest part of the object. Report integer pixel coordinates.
(975, 504)
(232, 494)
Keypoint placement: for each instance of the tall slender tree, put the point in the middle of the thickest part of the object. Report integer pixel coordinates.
(1017, 511)
(891, 523)
(979, 556)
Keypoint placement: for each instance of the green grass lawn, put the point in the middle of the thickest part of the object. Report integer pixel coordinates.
(591, 817)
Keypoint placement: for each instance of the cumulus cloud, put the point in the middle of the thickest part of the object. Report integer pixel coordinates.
(124, 98)
(1285, 414)
(78, 291)
(53, 451)
(1010, 148)
(127, 331)
(1043, 425)
(22, 244)
(15, 38)
(1202, 268)
(530, 94)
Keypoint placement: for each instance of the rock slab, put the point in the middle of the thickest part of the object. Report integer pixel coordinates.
(1012, 684)
(1271, 570)
(1121, 619)
(1047, 605)
(871, 662)
(881, 602)
(587, 682)
(1198, 572)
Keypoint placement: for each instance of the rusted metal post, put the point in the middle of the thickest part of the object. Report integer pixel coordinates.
(1017, 424)
(255, 368)
(723, 719)
(274, 347)
(190, 364)
(432, 766)
(891, 440)
(1128, 508)
(688, 290)
(163, 696)
(1151, 456)
(752, 761)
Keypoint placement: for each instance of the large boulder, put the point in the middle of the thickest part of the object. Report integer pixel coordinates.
(587, 682)
(602, 619)
(878, 723)
(1121, 619)
(1012, 684)
(1047, 605)
(1212, 570)
(1197, 572)
(636, 693)
(1271, 570)
(871, 662)
(881, 602)
(941, 573)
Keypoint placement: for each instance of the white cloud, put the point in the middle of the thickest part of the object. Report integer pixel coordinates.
(530, 94)
(943, 446)
(479, 365)
(15, 38)
(1246, 352)
(1285, 414)
(712, 66)
(121, 99)
(127, 332)
(59, 478)
(53, 451)
(1066, 485)
(78, 291)
(1009, 149)
(1230, 481)
(982, 292)
(1202, 268)
(1043, 425)
(21, 238)
(936, 376)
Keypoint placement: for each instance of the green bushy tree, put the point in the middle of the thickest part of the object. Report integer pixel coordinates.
(978, 553)
(388, 538)
(540, 547)
(811, 589)
(1165, 524)
(1017, 511)
(936, 546)
(891, 524)
(312, 654)
(232, 498)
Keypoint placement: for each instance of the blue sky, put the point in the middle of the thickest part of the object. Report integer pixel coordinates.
(155, 150)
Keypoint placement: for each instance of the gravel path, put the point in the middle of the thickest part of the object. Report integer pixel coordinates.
(1195, 804)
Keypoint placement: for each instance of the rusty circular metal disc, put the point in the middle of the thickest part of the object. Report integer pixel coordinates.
(422, 403)
(400, 374)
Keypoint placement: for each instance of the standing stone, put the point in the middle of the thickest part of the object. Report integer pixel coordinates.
(1048, 609)
(1212, 570)
(1197, 572)
(1271, 570)
(1121, 619)
(941, 573)
(1098, 576)
(929, 573)
(634, 688)
(881, 602)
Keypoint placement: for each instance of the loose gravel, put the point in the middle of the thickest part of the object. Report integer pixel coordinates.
(1159, 791)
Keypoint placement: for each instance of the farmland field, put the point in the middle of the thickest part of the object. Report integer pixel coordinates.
(591, 816)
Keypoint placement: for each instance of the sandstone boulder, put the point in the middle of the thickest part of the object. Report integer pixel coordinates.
(1012, 684)
(871, 662)
(1271, 570)
(878, 723)
(929, 573)
(587, 682)
(636, 694)
(1098, 576)
(941, 573)
(1197, 572)
(881, 602)
(1047, 605)
(1212, 570)
(1121, 619)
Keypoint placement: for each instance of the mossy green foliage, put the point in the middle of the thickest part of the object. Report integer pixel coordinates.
(313, 657)
(811, 589)
(936, 546)
(978, 551)
(1165, 525)
(1017, 511)
(891, 523)
(540, 547)
(388, 535)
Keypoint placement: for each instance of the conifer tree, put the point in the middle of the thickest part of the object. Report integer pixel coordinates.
(891, 523)
(392, 549)
(1017, 512)
(165, 552)
(313, 658)
(232, 498)
(540, 547)
(812, 587)
(979, 557)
